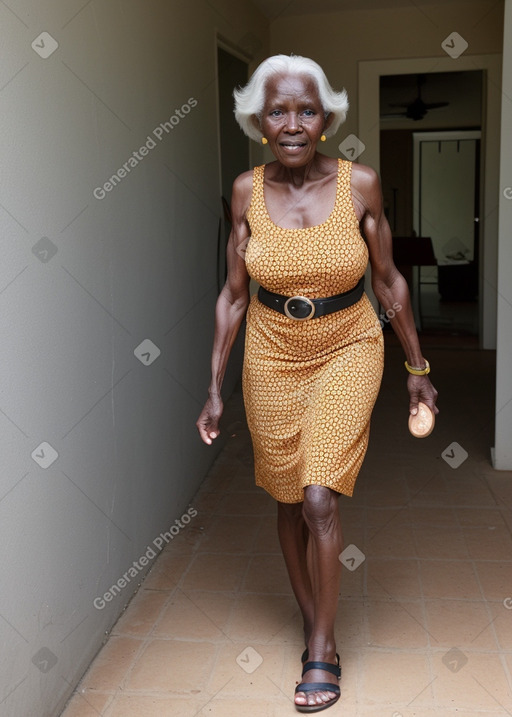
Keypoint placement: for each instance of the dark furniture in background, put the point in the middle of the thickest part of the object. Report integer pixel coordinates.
(409, 252)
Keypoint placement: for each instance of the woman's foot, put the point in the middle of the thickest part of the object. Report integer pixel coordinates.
(317, 677)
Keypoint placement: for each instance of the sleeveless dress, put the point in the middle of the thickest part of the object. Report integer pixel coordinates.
(309, 386)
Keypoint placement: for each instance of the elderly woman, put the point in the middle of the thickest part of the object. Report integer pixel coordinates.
(304, 226)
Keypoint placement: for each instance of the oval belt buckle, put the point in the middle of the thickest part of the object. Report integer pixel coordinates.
(289, 307)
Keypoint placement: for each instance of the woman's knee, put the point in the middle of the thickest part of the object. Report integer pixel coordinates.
(320, 508)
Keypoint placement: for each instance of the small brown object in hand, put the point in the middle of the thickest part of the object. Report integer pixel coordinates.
(422, 424)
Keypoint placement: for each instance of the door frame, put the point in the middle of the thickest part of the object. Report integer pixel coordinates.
(369, 73)
(434, 136)
(417, 139)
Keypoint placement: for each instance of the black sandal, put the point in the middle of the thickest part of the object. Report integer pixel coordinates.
(305, 657)
(308, 687)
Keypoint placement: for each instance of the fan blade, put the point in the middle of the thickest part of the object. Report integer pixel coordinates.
(436, 105)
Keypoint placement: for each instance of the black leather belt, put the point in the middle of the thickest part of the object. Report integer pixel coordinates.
(301, 308)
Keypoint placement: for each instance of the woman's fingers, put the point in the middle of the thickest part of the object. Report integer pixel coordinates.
(211, 434)
(420, 389)
(414, 397)
(430, 398)
(207, 430)
(208, 422)
(208, 436)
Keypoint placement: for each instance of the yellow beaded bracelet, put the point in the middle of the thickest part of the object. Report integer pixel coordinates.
(418, 371)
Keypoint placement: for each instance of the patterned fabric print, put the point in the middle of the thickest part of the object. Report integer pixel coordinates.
(309, 386)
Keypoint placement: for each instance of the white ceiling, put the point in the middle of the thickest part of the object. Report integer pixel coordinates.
(273, 9)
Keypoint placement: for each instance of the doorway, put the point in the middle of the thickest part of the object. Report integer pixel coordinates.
(232, 71)
(429, 159)
(446, 208)
(369, 130)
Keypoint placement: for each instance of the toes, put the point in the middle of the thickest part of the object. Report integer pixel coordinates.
(324, 697)
(300, 698)
(314, 698)
(328, 696)
(319, 698)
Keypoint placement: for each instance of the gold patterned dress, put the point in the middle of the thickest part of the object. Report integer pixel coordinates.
(309, 386)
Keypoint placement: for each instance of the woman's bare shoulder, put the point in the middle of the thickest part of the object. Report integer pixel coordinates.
(366, 191)
(242, 193)
(364, 177)
(243, 182)
(242, 186)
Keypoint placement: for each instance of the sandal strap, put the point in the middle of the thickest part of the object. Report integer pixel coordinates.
(305, 656)
(325, 666)
(317, 687)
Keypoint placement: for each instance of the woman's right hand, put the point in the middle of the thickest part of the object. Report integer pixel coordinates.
(231, 306)
(208, 422)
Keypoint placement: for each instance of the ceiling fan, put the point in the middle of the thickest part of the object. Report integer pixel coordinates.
(417, 109)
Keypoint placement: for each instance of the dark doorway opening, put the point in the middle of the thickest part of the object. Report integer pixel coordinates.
(234, 145)
(445, 293)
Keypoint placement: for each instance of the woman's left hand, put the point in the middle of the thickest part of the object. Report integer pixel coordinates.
(420, 389)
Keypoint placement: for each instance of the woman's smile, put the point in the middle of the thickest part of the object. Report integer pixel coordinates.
(292, 146)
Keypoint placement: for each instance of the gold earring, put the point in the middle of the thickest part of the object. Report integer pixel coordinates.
(264, 140)
(323, 138)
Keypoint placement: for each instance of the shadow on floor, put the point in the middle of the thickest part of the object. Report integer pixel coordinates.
(424, 625)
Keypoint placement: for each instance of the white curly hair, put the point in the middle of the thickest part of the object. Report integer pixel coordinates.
(249, 100)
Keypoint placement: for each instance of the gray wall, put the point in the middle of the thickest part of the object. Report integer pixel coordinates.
(502, 454)
(86, 277)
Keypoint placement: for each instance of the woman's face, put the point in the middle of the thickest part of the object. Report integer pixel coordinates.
(293, 118)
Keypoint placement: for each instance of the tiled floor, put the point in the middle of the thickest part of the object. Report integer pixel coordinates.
(423, 626)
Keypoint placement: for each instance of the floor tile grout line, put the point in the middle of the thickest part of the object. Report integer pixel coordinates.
(486, 601)
(507, 669)
(122, 679)
(107, 711)
(424, 611)
(364, 599)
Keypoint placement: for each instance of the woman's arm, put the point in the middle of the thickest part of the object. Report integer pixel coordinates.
(230, 308)
(388, 284)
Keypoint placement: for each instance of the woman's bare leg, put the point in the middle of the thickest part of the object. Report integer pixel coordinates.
(321, 516)
(293, 537)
